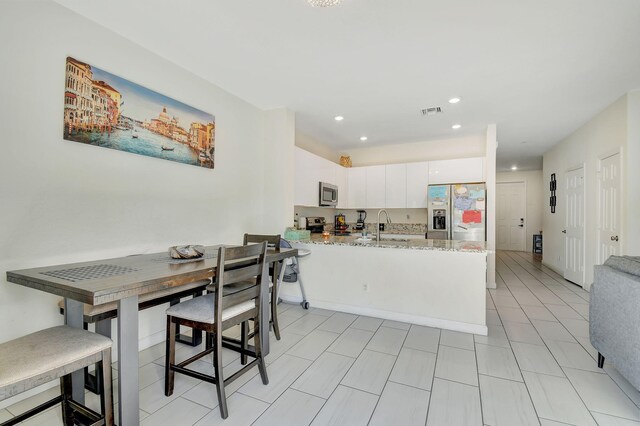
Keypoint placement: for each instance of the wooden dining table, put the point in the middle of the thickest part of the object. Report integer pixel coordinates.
(124, 280)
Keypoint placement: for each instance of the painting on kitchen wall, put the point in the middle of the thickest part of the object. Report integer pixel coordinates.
(105, 110)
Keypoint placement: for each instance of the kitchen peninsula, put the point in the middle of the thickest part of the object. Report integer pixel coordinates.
(437, 283)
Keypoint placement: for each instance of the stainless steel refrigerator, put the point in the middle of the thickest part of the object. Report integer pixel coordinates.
(457, 212)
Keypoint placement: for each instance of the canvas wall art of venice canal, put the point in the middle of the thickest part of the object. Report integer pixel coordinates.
(105, 110)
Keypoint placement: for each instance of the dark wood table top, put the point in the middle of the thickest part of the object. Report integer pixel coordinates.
(108, 280)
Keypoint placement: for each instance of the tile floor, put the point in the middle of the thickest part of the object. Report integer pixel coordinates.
(536, 367)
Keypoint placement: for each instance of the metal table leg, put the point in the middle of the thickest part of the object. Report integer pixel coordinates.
(129, 409)
(73, 317)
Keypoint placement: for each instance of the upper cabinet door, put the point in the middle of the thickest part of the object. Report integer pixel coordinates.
(417, 184)
(462, 170)
(396, 186)
(356, 188)
(341, 182)
(376, 187)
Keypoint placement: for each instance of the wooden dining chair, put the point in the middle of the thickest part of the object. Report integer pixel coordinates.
(215, 312)
(272, 241)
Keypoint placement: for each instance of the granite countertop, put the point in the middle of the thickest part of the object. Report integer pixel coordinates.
(421, 244)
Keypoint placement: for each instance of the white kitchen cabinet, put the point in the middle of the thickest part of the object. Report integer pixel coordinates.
(341, 182)
(461, 170)
(310, 170)
(375, 187)
(356, 188)
(417, 184)
(396, 186)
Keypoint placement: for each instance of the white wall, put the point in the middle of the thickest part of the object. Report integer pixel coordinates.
(66, 202)
(535, 199)
(631, 244)
(316, 147)
(445, 149)
(491, 144)
(604, 134)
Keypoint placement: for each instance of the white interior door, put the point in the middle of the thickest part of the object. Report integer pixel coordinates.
(609, 208)
(574, 226)
(510, 216)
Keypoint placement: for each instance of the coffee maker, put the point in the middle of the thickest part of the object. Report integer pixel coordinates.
(362, 215)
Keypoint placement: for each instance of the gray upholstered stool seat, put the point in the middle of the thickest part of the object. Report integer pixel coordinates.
(201, 309)
(55, 353)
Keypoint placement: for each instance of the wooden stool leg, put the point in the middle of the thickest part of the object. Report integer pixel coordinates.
(244, 333)
(256, 341)
(274, 304)
(66, 390)
(106, 397)
(217, 367)
(170, 359)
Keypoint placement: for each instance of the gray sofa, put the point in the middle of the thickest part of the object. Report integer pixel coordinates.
(614, 315)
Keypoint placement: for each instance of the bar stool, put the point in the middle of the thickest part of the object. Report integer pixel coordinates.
(55, 353)
(294, 276)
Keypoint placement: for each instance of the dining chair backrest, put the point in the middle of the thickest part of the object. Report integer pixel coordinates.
(236, 264)
(272, 240)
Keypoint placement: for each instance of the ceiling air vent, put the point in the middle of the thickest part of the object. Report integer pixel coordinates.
(432, 111)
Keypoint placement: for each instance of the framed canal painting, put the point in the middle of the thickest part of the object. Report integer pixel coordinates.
(105, 110)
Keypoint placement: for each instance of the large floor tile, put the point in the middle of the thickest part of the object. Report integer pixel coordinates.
(525, 333)
(346, 407)
(577, 327)
(324, 375)
(401, 405)
(396, 324)
(607, 420)
(292, 408)
(627, 388)
(563, 312)
(512, 314)
(457, 339)
(152, 397)
(496, 336)
(306, 324)
(178, 411)
(279, 347)
(423, 338)
(555, 399)
(370, 372)
(497, 362)
(536, 358)
(552, 331)
(313, 344)
(338, 322)
(243, 411)
(414, 368)
(387, 340)
(572, 355)
(282, 373)
(27, 404)
(600, 393)
(493, 318)
(367, 323)
(506, 403)
(454, 404)
(458, 365)
(351, 342)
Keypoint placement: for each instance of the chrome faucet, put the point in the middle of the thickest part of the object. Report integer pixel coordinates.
(388, 221)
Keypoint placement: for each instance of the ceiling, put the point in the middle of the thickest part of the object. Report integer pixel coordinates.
(537, 68)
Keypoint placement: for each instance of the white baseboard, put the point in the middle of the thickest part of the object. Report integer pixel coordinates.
(395, 316)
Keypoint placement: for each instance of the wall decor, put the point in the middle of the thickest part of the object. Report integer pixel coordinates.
(552, 189)
(105, 110)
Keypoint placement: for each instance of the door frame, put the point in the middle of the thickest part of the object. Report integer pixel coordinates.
(578, 166)
(526, 222)
(601, 157)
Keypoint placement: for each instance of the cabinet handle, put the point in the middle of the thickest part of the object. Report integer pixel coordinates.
(615, 238)
(564, 231)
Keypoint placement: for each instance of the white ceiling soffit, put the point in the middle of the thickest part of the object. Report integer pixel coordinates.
(537, 68)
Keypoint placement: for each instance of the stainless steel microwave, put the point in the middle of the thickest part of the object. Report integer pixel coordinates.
(328, 195)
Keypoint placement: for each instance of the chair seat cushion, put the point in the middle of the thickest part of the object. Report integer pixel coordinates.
(201, 309)
(40, 357)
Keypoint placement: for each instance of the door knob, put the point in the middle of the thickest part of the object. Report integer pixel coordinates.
(612, 238)
(615, 238)
(564, 231)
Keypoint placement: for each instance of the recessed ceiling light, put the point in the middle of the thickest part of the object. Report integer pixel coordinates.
(514, 167)
(338, 118)
(456, 126)
(454, 100)
(363, 138)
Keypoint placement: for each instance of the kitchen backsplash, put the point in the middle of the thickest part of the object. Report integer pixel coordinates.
(398, 216)
(389, 228)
